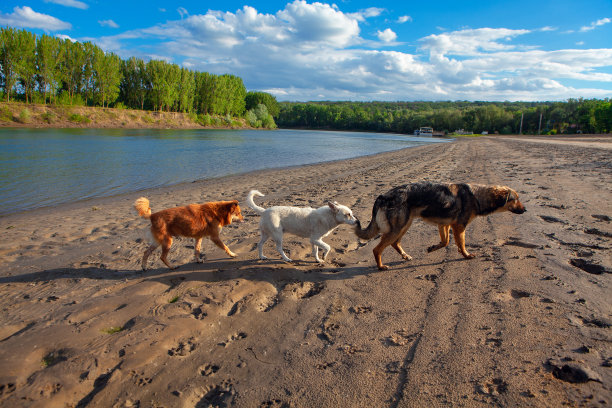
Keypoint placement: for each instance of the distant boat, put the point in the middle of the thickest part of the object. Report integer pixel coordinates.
(424, 131)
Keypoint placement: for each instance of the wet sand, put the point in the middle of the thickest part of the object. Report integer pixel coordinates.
(528, 322)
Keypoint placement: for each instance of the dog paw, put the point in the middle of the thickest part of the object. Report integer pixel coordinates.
(231, 254)
(407, 257)
(383, 268)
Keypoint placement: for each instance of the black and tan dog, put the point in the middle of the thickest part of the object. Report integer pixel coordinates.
(445, 205)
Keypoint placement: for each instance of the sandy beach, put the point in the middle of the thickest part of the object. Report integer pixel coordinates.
(527, 323)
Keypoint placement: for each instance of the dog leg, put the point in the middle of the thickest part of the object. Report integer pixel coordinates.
(221, 245)
(279, 248)
(262, 241)
(146, 255)
(385, 240)
(459, 234)
(316, 243)
(396, 245)
(198, 247)
(165, 249)
(444, 238)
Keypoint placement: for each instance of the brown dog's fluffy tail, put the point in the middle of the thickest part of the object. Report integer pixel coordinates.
(142, 207)
(372, 229)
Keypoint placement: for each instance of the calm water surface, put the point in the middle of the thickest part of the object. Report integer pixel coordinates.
(44, 167)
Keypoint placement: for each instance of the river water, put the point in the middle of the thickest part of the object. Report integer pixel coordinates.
(47, 167)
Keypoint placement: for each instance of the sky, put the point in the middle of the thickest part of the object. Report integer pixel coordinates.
(358, 50)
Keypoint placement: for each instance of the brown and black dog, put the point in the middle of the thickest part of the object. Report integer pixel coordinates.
(445, 205)
(194, 221)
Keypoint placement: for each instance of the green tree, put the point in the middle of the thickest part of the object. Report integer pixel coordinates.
(253, 99)
(186, 94)
(106, 76)
(9, 55)
(48, 60)
(26, 63)
(75, 59)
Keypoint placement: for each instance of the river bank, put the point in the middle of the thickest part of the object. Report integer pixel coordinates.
(59, 116)
(525, 323)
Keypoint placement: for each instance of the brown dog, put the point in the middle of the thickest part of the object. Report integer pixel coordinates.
(445, 205)
(194, 220)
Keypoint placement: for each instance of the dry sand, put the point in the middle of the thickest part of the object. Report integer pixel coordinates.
(526, 323)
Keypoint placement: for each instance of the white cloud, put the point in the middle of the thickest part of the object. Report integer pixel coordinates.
(386, 36)
(70, 3)
(309, 51)
(65, 37)
(471, 41)
(25, 17)
(595, 24)
(182, 11)
(404, 19)
(108, 23)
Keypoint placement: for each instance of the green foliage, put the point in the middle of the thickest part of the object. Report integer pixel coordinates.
(204, 119)
(251, 119)
(587, 116)
(5, 114)
(76, 118)
(24, 116)
(174, 299)
(48, 117)
(259, 117)
(253, 99)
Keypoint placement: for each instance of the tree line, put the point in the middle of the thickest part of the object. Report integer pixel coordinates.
(46, 69)
(572, 116)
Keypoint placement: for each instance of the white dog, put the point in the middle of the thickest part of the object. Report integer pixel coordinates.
(304, 222)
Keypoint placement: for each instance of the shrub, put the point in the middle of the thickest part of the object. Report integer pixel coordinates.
(5, 114)
(48, 117)
(24, 116)
(204, 119)
(251, 119)
(75, 117)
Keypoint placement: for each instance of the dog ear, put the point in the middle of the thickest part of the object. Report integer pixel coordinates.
(333, 206)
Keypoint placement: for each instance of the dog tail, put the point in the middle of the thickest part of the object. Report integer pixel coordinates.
(259, 210)
(372, 229)
(142, 207)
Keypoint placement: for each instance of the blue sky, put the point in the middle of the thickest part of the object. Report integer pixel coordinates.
(355, 49)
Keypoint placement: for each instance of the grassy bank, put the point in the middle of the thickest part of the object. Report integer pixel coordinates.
(15, 114)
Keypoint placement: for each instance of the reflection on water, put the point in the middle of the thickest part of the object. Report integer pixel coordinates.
(42, 167)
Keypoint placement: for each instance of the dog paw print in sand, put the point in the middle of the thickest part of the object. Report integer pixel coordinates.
(358, 310)
(233, 338)
(140, 379)
(400, 338)
(493, 387)
(183, 348)
(208, 370)
(220, 395)
(303, 290)
(275, 403)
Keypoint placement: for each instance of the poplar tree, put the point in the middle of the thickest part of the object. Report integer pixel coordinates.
(9, 57)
